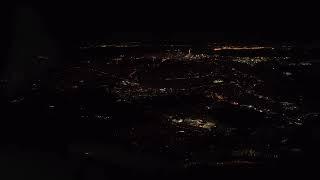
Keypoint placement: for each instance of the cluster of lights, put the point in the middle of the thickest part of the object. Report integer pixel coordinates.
(102, 117)
(251, 60)
(134, 91)
(254, 153)
(199, 123)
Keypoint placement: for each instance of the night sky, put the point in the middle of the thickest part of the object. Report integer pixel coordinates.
(179, 20)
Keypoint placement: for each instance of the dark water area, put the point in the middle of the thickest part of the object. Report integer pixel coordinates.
(131, 109)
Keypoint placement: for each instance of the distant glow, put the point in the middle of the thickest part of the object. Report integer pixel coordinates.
(241, 48)
(287, 73)
(218, 81)
(305, 64)
(177, 120)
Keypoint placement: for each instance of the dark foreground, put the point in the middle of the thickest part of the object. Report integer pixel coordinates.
(140, 110)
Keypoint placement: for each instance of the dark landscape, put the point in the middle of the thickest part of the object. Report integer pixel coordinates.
(170, 109)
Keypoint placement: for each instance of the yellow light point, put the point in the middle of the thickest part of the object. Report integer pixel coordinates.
(234, 103)
(218, 96)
